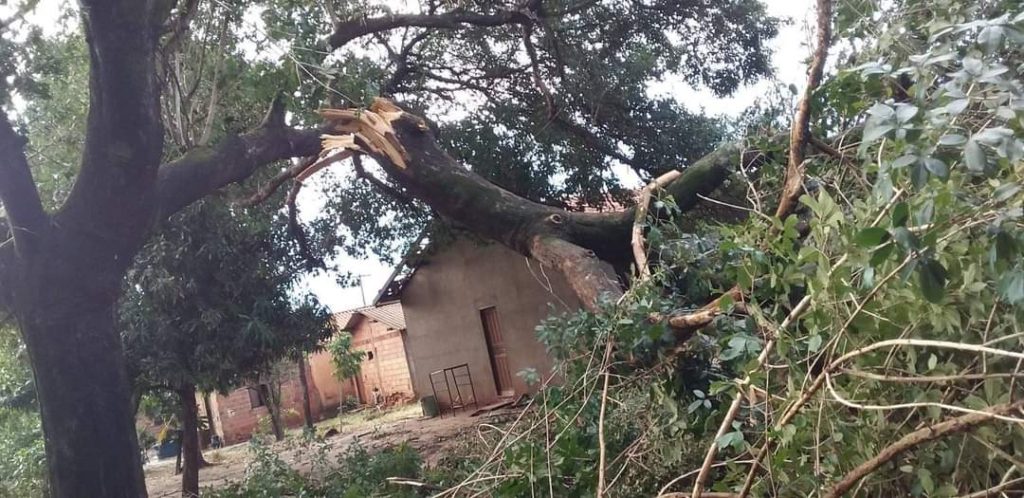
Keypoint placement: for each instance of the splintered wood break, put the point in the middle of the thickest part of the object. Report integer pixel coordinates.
(371, 126)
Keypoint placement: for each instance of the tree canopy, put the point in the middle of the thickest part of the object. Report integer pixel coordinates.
(209, 303)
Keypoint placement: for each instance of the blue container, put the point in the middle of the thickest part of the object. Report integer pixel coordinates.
(168, 450)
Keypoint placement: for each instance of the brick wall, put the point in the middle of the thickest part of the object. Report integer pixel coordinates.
(388, 369)
(332, 391)
(238, 419)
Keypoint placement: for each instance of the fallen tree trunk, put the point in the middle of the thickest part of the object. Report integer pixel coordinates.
(591, 250)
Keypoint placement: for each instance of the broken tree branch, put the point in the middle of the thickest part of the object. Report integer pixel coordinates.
(937, 431)
(296, 231)
(205, 169)
(585, 247)
(799, 134)
(388, 190)
(640, 219)
(730, 415)
(592, 279)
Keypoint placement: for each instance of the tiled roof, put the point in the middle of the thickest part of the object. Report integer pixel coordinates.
(388, 314)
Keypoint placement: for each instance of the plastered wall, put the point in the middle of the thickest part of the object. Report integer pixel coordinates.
(442, 306)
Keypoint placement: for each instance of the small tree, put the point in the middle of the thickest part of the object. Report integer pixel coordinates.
(211, 309)
(347, 361)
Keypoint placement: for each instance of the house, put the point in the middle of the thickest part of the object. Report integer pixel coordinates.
(237, 414)
(466, 302)
(476, 303)
(379, 332)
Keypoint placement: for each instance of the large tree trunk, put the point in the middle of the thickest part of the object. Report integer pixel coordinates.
(189, 441)
(84, 395)
(307, 412)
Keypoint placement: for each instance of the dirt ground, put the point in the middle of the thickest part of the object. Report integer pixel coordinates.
(430, 437)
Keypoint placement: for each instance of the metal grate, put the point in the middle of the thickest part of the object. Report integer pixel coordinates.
(457, 383)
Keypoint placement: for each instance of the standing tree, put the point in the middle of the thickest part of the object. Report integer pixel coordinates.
(562, 90)
(347, 361)
(207, 307)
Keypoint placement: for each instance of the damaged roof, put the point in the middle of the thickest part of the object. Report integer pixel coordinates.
(389, 314)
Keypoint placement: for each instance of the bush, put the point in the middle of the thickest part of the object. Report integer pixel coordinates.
(356, 473)
(22, 456)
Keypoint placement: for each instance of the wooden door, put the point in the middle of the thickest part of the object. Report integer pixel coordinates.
(497, 351)
(360, 388)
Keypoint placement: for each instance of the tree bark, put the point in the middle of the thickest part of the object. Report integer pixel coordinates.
(189, 441)
(273, 411)
(84, 396)
(307, 412)
(205, 169)
(208, 408)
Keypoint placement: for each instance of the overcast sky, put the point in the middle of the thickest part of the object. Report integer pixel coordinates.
(790, 54)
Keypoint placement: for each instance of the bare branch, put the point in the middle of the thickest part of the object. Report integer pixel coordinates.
(178, 27)
(403, 68)
(640, 218)
(800, 133)
(538, 78)
(348, 30)
(296, 231)
(943, 429)
(279, 179)
(18, 192)
(392, 192)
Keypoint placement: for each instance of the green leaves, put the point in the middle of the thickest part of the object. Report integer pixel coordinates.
(1011, 286)
(905, 112)
(957, 106)
(871, 236)
(881, 121)
(1005, 191)
(932, 279)
(974, 158)
(936, 167)
(347, 361)
(900, 213)
(732, 439)
(906, 239)
(952, 140)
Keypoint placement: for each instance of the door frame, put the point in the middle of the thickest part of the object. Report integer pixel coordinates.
(499, 389)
